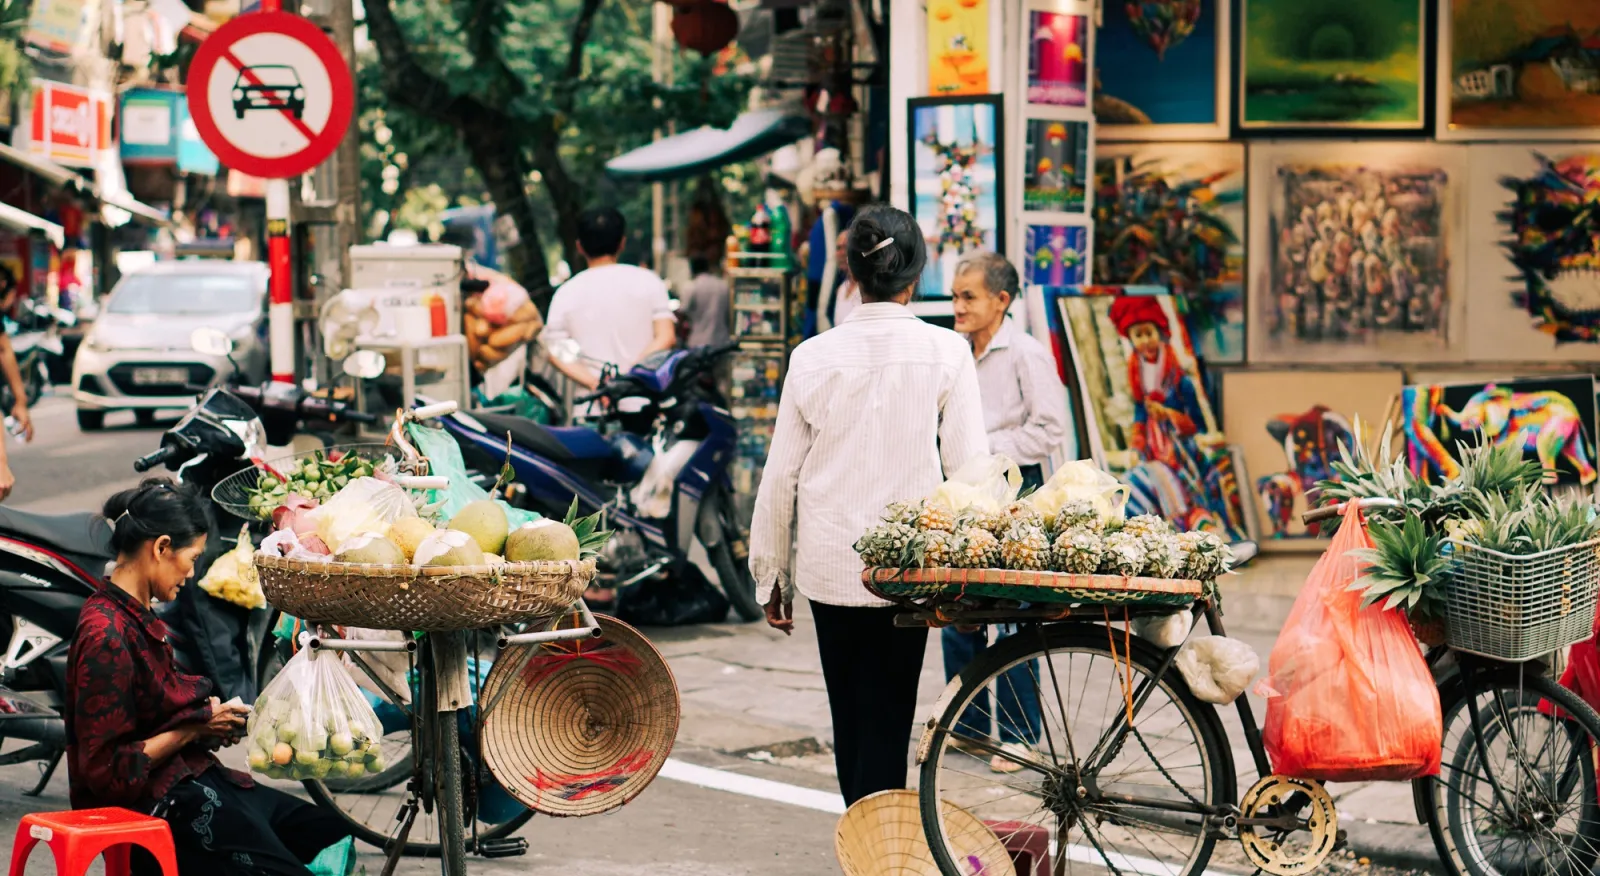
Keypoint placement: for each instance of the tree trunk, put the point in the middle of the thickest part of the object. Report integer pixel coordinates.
(498, 159)
(565, 196)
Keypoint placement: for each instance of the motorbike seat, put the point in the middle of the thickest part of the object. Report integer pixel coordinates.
(84, 538)
(558, 444)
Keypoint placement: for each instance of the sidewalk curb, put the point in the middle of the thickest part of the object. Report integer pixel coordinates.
(1401, 846)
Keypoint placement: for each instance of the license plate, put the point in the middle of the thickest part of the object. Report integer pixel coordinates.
(157, 376)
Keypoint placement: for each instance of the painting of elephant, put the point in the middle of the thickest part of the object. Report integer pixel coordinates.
(1551, 419)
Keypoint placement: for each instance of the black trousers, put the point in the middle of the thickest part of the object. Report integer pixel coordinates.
(871, 668)
(222, 830)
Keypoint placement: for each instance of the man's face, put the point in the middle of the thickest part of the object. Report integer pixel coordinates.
(976, 307)
(1146, 340)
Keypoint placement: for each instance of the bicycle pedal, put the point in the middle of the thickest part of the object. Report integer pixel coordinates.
(509, 847)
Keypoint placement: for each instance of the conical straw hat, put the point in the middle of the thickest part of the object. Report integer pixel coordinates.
(882, 835)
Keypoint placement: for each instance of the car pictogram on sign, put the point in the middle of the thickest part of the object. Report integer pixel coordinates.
(268, 87)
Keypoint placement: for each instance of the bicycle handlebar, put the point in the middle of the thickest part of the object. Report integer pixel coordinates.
(1320, 514)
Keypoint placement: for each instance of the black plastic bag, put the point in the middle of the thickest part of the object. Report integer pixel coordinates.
(676, 600)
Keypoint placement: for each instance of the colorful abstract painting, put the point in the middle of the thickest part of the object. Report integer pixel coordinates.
(1332, 64)
(1355, 252)
(1055, 166)
(1162, 67)
(1173, 215)
(1151, 423)
(957, 181)
(1551, 419)
(958, 47)
(1534, 253)
(1521, 64)
(1058, 255)
(1058, 59)
(1289, 425)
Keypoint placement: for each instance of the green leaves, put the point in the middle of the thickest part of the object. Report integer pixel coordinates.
(591, 538)
(1406, 568)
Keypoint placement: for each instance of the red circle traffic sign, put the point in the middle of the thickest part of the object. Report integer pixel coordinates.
(270, 94)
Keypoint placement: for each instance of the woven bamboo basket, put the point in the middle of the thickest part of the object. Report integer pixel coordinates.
(882, 835)
(1036, 587)
(433, 599)
(580, 728)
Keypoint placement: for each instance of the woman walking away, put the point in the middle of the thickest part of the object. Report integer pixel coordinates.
(874, 411)
(141, 734)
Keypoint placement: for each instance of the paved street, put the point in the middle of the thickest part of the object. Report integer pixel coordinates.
(750, 786)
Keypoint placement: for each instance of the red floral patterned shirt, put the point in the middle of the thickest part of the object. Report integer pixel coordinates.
(125, 687)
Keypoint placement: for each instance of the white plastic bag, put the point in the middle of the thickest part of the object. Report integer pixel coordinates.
(1218, 668)
(232, 576)
(1165, 631)
(985, 483)
(312, 722)
(284, 543)
(1081, 479)
(364, 505)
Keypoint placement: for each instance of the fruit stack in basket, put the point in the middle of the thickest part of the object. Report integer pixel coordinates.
(1079, 537)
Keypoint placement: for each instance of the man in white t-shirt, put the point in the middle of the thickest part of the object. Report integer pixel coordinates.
(617, 313)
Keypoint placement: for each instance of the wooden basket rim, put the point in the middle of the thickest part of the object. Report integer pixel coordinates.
(376, 570)
(1053, 580)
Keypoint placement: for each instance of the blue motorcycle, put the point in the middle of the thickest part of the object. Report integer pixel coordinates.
(656, 462)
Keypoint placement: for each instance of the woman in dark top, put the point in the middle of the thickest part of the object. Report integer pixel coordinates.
(141, 734)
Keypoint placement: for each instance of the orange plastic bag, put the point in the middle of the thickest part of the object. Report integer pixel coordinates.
(1351, 697)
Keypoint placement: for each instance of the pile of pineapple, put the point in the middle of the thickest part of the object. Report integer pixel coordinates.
(1077, 539)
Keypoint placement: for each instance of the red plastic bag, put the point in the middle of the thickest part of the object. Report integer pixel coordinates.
(1352, 699)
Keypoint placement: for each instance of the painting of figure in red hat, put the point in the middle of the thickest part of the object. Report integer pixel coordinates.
(1152, 424)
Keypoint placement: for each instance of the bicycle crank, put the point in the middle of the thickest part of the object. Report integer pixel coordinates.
(1274, 814)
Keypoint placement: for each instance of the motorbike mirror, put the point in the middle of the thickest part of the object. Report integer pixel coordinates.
(567, 351)
(211, 342)
(365, 364)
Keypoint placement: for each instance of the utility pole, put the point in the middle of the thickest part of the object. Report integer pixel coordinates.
(347, 161)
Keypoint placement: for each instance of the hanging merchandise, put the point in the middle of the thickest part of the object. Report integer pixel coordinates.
(706, 26)
(1352, 699)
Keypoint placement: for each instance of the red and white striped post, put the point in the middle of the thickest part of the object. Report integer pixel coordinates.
(280, 315)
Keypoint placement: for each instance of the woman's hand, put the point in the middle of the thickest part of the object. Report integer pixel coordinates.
(226, 724)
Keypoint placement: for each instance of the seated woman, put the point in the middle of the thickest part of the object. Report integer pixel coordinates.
(141, 734)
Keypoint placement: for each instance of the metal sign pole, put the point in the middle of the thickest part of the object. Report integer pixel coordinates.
(280, 315)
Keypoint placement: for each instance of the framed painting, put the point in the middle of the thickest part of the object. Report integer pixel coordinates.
(1356, 252)
(1058, 58)
(1534, 217)
(1163, 70)
(1320, 65)
(1057, 255)
(958, 47)
(1519, 70)
(1149, 421)
(1551, 418)
(1290, 425)
(1055, 166)
(957, 181)
(1173, 215)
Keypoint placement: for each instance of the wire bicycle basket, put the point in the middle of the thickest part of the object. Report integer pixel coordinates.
(233, 492)
(1517, 608)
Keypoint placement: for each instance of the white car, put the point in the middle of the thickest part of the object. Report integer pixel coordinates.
(138, 356)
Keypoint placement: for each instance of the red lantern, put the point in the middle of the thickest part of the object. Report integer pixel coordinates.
(706, 27)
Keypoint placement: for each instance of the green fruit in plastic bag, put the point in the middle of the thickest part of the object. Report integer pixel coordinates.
(305, 757)
(258, 759)
(341, 744)
(287, 733)
(282, 754)
(277, 772)
(375, 764)
(317, 742)
(320, 769)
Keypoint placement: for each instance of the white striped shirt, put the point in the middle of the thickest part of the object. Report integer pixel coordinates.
(869, 411)
(1024, 403)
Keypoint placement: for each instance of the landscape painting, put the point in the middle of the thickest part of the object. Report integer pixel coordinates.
(1521, 64)
(1532, 253)
(1058, 59)
(1058, 255)
(957, 182)
(1162, 70)
(958, 47)
(1355, 252)
(1552, 419)
(1152, 424)
(1332, 64)
(1055, 166)
(1289, 425)
(1173, 215)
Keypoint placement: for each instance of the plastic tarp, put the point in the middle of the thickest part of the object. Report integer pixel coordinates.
(21, 220)
(687, 155)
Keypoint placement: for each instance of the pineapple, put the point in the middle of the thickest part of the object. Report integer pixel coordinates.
(1161, 558)
(976, 548)
(1077, 551)
(902, 512)
(936, 517)
(933, 549)
(1022, 512)
(1147, 524)
(1122, 553)
(1079, 514)
(1025, 547)
(1203, 556)
(885, 545)
(994, 522)
(1404, 567)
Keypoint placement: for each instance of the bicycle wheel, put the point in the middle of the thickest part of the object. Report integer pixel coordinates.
(1062, 792)
(1517, 792)
(448, 799)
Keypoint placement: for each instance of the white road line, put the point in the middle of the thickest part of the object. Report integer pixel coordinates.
(825, 801)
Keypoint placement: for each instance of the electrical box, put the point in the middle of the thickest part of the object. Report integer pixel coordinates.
(421, 268)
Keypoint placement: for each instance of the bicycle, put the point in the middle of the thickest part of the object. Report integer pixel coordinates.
(1149, 786)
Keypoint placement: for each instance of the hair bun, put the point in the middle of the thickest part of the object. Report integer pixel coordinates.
(885, 252)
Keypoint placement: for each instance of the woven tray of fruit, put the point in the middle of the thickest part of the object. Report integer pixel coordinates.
(1038, 552)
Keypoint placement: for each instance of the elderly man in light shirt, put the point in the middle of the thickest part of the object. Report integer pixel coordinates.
(1025, 414)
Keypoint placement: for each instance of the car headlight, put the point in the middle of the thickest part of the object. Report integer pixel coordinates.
(238, 94)
(299, 94)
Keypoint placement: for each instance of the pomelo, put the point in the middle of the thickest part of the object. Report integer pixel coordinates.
(448, 547)
(541, 540)
(485, 522)
(408, 533)
(370, 548)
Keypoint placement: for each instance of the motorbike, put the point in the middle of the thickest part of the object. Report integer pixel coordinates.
(656, 462)
(36, 341)
(51, 564)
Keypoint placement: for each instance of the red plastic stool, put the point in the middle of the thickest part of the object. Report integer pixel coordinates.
(79, 837)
